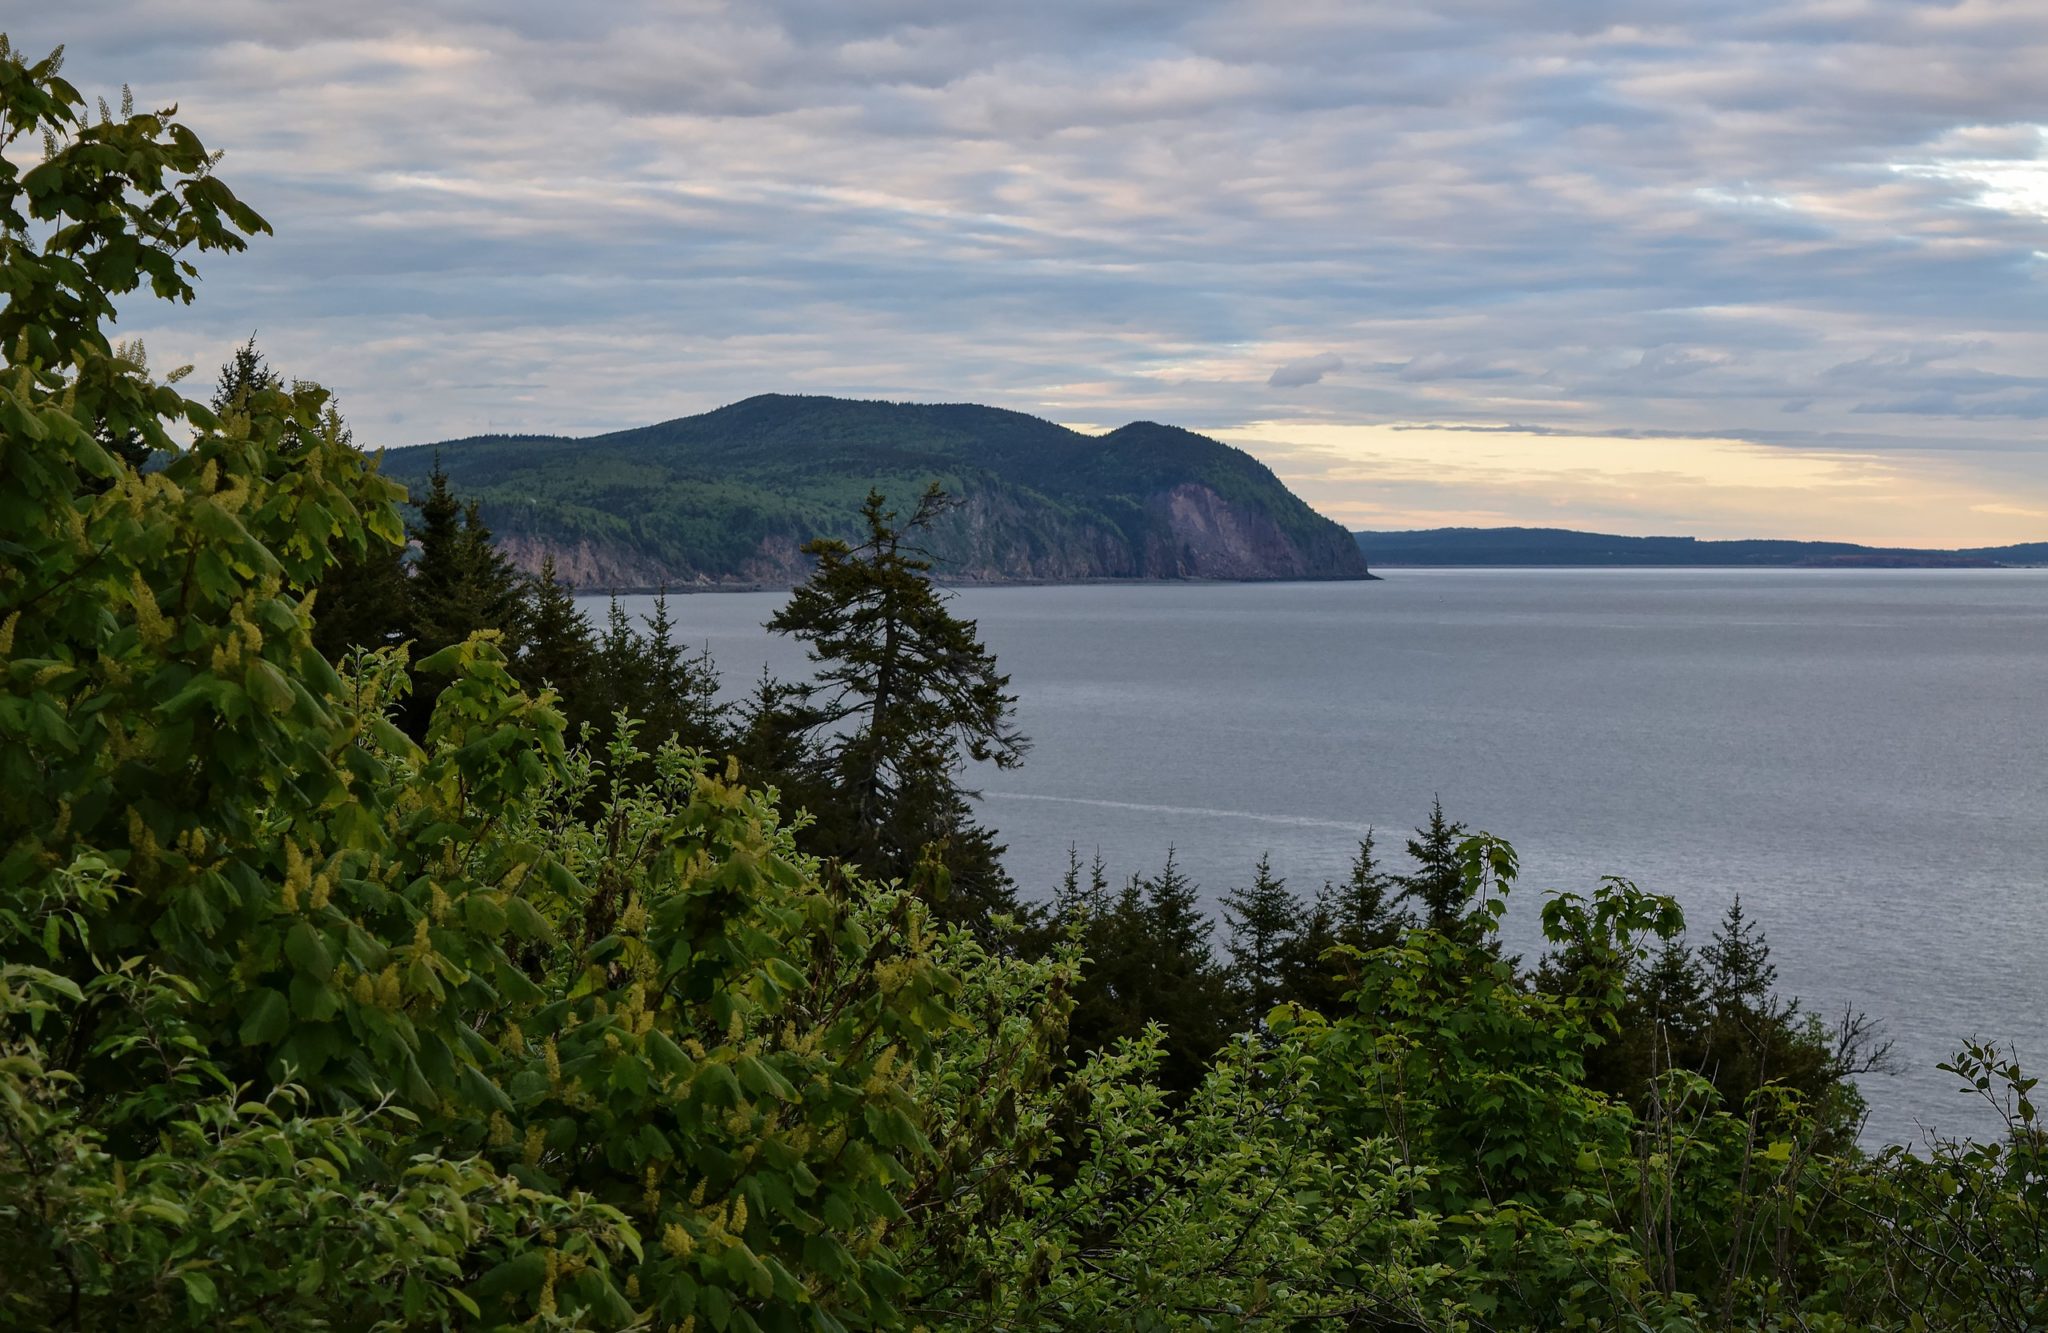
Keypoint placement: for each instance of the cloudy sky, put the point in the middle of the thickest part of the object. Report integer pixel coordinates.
(1727, 267)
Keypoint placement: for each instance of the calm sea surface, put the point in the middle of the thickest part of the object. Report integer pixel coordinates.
(1858, 753)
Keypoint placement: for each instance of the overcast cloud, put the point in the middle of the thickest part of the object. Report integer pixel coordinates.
(1798, 240)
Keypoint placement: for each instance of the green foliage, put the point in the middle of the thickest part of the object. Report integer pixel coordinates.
(363, 596)
(306, 1022)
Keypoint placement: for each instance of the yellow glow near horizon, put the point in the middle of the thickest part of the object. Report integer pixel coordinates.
(1420, 476)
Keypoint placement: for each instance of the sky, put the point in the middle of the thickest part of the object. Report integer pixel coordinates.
(1720, 267)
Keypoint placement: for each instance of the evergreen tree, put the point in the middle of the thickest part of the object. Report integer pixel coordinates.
(1150, 961)
(1265, 923)
(905, 695)
(1438, 883)
(1188, 989)
(362, 603)
(1362, 905)
(461, 583)
(495, 591)
(434, 594)
(361, 599)
(683, 705)
(1310, 974)
(1076, 899)
(1176, 921)
(770, 741)
(1740, 974)
(1672, 993)
(558, 651)
(245, 374)
(623, 665)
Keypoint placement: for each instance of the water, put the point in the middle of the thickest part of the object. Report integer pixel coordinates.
(1856, 752)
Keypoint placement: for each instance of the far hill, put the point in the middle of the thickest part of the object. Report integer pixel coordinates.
(728, 498)
(1559, 546)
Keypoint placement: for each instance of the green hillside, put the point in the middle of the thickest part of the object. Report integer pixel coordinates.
(728, 497)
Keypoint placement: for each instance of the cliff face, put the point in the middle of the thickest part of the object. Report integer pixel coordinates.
(729, 498)
(1204, 536)
(604, 565)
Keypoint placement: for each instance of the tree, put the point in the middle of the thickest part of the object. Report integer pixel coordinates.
(460, 584)
(1740, 974)
(246, 374)
(1437, 883)
(558, 651)
(683, 704)
(1150, 961)
(1074, 899)
(362, 600)
(905, 695)
(1362, 905)
(771, 743)
(1671, 992)
(1265, 923)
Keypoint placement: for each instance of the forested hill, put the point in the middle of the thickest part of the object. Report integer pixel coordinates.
(1559, 546)
(729, 497)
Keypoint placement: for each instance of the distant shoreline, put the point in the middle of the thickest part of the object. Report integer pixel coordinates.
(960, 585)
(1562, 548)
(1984, 567)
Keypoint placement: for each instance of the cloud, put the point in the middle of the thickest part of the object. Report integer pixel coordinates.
(1308, 370)
(1448, 366)
(1667, 219)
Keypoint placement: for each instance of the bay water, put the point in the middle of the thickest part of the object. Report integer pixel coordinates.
(1857, 753)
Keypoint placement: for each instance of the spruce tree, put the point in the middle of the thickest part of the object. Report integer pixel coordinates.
(625, 675)
(461, 583)
(361, 599)
(559, 650)
(1075, 898)
(1187, 989)
(769, 738)
(435, 590)
(1740, 973)
(905, 695)
(1362, 905)
(684, 705)
(1311, 975)
(362, 603)
(492, 584)
(1438, 883)
(245, 374)
(1150, 961)
(1265, 922)
(1673, 994)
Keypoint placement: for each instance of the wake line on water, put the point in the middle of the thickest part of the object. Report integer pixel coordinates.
(1296, 821)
